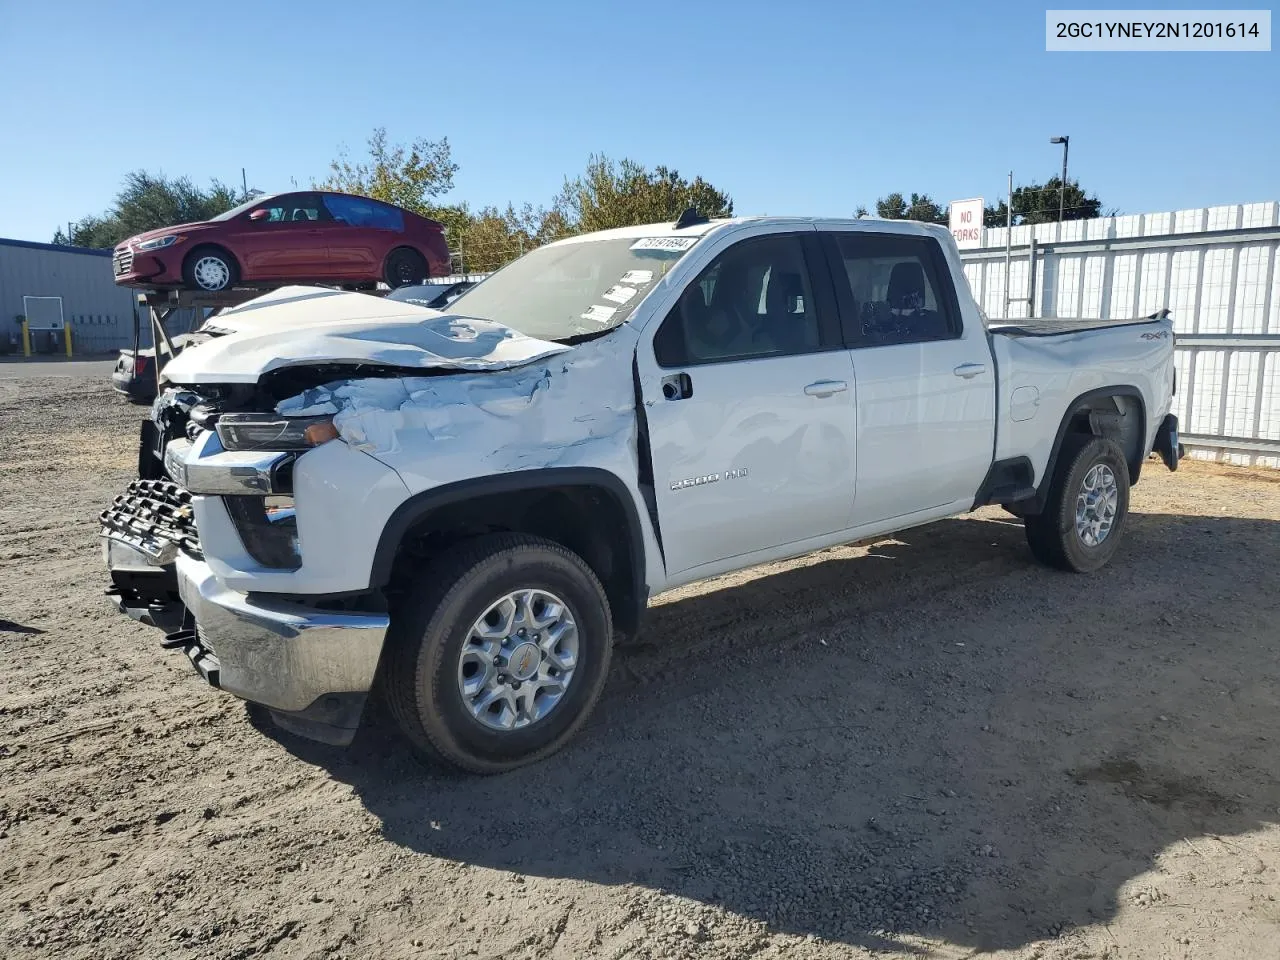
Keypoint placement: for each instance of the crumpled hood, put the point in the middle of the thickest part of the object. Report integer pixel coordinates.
(295, 326)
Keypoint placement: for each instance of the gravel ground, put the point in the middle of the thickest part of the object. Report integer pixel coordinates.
(925, 747)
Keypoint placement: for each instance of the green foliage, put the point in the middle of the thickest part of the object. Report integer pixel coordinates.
(606, 194)
(1038, 203)
(1033, 203)
(409, 177)
(921, 207)
(147, 202)
(623, 194)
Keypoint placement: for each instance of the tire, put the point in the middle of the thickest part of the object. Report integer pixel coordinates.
(405, 267)
(210, 269)
(1055, 537)
(426, 662)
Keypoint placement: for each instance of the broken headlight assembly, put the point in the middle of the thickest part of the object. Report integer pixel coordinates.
(268, 431)
(268, 528)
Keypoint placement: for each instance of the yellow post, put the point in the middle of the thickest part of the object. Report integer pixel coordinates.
(26, 339)
(66, 335)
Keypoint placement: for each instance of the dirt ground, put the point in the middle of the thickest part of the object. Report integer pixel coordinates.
(930, 747)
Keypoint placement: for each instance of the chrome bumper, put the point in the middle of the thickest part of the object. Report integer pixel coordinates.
(204, 467)
(314, 664)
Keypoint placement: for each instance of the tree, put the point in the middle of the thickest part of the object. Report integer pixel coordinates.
(1038, 203)
(921, 207)
(410, 177)
(625, 193)
(147, 202)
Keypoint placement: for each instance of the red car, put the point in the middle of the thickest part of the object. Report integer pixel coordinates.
(309, 236)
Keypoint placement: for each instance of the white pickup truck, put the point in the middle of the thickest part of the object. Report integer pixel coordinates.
(340, 494)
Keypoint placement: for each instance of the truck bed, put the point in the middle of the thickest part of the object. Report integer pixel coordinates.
(1052, 326)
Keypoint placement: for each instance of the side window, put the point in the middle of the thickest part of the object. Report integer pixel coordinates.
(362, 212)
(295, 208)
(899, 294)
(753, 301)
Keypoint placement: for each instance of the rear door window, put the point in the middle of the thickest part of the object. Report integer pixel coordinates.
(363, 212)
(896, 289)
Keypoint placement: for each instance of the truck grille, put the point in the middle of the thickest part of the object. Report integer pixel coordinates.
(156, 517)
(123, 260)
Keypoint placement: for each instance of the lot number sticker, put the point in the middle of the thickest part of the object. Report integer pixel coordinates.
(664, 243)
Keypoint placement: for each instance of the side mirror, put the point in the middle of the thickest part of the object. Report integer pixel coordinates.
(259, 214)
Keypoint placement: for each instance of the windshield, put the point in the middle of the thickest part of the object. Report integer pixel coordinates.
(236, 211)
(575, 289)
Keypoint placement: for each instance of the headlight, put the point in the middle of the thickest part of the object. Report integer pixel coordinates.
(266, 431)
(159, 242)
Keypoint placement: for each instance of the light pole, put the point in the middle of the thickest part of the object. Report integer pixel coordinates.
(1062, 190)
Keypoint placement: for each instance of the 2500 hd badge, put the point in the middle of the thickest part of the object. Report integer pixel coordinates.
(709, 478)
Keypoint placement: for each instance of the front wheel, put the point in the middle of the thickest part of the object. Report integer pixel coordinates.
(210, 269)
(1088, 504)
(499, 653)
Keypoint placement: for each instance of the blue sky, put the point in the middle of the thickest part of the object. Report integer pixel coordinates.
(803, 107)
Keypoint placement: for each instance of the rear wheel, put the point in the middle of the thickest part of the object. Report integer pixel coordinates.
(1084, 517)
(499, 653)
(405, 267)
(211, 269)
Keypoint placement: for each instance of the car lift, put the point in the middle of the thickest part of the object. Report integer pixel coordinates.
(162, 304)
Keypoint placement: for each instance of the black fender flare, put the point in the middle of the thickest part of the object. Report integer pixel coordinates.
(1082, 402)
(627, 615)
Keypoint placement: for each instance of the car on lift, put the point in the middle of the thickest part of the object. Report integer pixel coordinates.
(311, 236)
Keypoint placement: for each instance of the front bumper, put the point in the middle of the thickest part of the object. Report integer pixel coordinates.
(131, 269)
(313, 668)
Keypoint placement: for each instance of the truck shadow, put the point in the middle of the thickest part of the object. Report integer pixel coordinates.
(933, 737)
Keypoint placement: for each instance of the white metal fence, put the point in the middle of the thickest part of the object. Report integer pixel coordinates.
(1216, 270)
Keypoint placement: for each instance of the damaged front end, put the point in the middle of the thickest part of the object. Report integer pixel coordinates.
(250, 534)
(311, 667)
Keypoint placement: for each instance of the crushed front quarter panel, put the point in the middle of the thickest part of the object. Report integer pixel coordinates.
(573, 410)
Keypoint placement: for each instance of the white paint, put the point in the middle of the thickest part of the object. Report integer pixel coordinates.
(965, 221)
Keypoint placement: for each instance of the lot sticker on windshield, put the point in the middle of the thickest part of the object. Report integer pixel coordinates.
(640, 277)
(619, 294)
(664, 243)
(599, 313)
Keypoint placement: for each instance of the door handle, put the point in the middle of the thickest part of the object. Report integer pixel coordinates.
(825, 388)
(677, 387)
(968, 371)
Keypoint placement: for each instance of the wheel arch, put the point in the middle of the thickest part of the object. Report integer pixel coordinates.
(586, 509)
(1098, 413)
